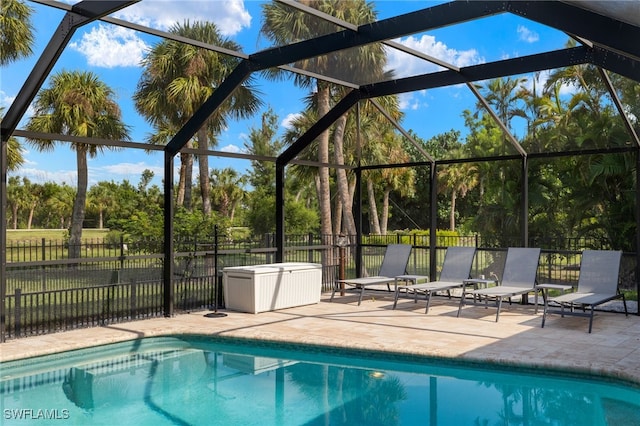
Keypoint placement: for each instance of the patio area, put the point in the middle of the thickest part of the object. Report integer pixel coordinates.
(613, 349)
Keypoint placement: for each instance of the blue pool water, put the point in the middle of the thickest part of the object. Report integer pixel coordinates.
(207, 381)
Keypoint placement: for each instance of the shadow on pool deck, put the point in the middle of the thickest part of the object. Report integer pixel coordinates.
(613, 349)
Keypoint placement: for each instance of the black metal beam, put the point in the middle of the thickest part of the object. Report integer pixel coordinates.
(320, 126)
(386, 29)
(508, 67)
(82, 13)
(239, 74)
(599, 29)
(620, 64)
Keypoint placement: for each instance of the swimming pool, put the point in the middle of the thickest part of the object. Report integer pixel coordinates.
(213, 381)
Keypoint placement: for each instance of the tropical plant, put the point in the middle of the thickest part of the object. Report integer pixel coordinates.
(77, 104)
(178, 78)
(16, 29)
(283, 24)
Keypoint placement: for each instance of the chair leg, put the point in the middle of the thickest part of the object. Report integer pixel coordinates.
(461, 302)
(333, 293)
(499, 306)
(428, 294)
(395, 300)
(591, 319)
(624, 302)
(361, 294)
(544, 310)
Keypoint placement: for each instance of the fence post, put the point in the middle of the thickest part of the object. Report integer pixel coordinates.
(17, 312)
(133, 300)
(310, 243)
(44, 273)
(121, 251)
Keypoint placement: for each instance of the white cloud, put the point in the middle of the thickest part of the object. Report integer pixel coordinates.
(231, 148)
(408, 101)
(111, 46)
(40, 176)
(406, 65)
(230, 16)
(525, 34)
(6, 100)
(129, 169)
(286, 121)
(542, 77)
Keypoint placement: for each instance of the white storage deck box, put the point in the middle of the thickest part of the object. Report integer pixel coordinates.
(261, 288)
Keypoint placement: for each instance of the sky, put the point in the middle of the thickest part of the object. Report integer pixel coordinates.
(114, 54)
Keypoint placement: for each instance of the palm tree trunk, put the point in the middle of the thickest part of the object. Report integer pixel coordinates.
(324, 196)
(15, 215)
(341, 176)
(181, 180)
(373, 209)
(203, 161)
(32, 209)
(452, 213)
(77, 217)
(385, 211)
(188, 182)
(337, 223)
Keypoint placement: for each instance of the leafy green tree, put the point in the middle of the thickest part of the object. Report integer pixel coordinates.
(77, 104)
(300, 212)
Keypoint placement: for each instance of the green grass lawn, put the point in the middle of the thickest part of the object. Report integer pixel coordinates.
(51, 234)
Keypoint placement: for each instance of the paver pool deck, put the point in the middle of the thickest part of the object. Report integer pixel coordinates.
(612, 349)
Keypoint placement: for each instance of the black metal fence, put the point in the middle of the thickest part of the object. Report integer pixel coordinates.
(47, 292)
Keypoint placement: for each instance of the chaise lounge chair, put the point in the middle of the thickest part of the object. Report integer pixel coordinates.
(597, 283)
(394, 263)
(518, 278)
(455, 269)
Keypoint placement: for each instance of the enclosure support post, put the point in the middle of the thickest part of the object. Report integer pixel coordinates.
(637, 269)
(279, 212)
(433, 240)
(524, 218)
(168, 235)
(3, 237)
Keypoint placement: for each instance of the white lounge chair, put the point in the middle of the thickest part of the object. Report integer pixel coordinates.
(394, 263)
(518, 278)
(597, 284)
(455, 269)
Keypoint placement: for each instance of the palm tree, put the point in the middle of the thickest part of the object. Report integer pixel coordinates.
(101, 197)
(179, 77)
(16, 29)
(77, 104)
(457, 180)
(283, 25)
(227, 190)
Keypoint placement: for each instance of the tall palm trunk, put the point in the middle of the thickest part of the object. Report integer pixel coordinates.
(385, 211)
(324, 196)
(203, 161)
(341, 176)
(452, 213)
(373, 209)
(79, 205)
